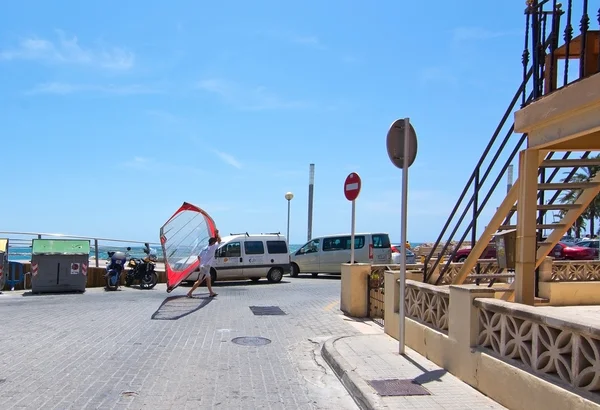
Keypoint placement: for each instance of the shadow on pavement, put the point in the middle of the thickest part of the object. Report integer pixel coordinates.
(321, 276)
(72, 292)
(428, 375)
(245, 283)
(176, 307)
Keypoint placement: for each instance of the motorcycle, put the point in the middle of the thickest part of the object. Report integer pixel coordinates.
(114, 268)
(142, 270)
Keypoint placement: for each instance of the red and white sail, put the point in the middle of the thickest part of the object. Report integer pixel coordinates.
(182, 238)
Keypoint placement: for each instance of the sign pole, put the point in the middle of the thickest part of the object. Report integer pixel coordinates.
(352, 186)
(402, 309)
(352, 231)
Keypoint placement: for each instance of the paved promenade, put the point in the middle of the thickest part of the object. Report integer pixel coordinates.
(360, 359)
(136, 349)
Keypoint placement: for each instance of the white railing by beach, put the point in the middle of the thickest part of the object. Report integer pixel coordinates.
(25, 240)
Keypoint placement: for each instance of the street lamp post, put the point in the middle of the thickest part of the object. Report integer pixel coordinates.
(289, 197)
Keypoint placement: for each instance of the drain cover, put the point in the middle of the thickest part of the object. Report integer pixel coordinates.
(398, 387)
(267, 310)
(251, 341)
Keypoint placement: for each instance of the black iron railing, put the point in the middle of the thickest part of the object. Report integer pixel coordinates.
(548, 20)
(543, 28)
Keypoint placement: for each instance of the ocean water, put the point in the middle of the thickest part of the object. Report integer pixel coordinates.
(22, 254)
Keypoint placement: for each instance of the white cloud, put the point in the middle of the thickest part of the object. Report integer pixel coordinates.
(164, 116)
(228, 159)
(139, 163)
(310, 41)
(248, 98)
(67, 88)
(67, 50)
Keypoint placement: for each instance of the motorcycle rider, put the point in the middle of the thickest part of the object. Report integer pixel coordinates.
(206, 258)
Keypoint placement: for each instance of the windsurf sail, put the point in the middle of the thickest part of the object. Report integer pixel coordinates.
(182, 238)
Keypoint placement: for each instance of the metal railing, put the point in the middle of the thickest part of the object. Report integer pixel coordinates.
(549, 58)
(16, 241)
(543, 28)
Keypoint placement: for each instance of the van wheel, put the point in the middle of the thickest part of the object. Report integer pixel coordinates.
(294, 270)
(275, 275)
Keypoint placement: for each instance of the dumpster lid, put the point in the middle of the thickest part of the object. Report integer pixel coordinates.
(60, 247)
(3, 244)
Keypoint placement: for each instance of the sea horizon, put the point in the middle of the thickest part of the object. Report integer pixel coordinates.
(23, 253)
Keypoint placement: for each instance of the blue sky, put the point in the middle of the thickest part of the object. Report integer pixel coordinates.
(115, 113)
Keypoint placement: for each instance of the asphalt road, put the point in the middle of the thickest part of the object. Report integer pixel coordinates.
(148, 349)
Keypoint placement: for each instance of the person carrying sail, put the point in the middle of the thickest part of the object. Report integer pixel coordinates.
(206, 258)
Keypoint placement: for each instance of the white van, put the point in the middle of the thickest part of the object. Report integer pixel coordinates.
(326, 254)
(246, 256)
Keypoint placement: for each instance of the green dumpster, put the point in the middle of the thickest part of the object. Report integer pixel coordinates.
(3, 262)
(59, 265)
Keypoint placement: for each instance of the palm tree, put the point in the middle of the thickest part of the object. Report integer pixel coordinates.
(585, 174)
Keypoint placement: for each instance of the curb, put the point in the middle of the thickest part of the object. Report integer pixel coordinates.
(356, 386)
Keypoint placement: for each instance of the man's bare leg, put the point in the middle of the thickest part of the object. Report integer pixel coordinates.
(196, 285)
(208, 285)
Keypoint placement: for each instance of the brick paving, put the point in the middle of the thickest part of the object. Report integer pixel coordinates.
(137, 349)
(375, 357)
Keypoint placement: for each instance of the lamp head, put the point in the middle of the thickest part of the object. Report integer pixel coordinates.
(289, 196)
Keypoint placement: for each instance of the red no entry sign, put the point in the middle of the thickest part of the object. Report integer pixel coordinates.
(352, 186)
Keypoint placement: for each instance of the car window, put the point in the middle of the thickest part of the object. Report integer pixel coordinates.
(310, 247)
(230, 250)
(276, 247)
(359, 242)
(254, 247)
(381, 241)
(333, 244)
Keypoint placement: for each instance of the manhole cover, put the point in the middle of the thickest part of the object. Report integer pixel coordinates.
(398, 387)
(251, 341)
(266, 310)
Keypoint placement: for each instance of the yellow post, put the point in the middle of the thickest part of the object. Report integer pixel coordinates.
(525, 257)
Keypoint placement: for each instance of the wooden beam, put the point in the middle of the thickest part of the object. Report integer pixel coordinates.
(486, 236)
(525, 252)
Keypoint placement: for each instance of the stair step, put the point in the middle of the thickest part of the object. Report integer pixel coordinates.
(569, 163)
(542, 226)
(541, 301)
(555, 186)
(551, 207)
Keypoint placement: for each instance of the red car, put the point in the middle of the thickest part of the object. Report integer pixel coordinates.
(489, 253)
(572, 252)
(560, 251)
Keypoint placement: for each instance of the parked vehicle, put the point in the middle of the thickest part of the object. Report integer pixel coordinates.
(590, 243)
(572, 252)
(396, 255)
(247, 256)
(326, 254)
(114, 268)
(562, 250)
(463, 253)
(142, 270)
